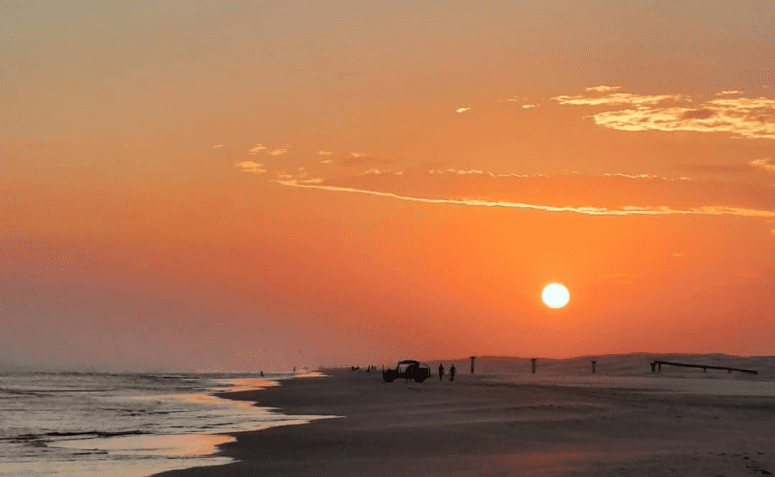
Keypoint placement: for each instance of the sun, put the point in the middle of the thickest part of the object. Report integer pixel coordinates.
(555, 295)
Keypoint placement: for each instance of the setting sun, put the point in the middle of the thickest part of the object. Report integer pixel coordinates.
(555, 295)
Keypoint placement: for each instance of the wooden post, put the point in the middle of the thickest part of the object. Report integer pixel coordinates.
(472, 364)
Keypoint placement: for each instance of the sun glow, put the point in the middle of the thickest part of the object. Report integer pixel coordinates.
(555, 295)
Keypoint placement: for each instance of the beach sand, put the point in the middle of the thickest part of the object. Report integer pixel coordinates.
(505, 421)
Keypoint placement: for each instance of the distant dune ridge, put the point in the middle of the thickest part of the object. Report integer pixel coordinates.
(633, 364)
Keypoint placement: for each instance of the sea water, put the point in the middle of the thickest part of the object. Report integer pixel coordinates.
(124, 425)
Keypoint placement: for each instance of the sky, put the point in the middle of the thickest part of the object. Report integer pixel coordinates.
(244, 185)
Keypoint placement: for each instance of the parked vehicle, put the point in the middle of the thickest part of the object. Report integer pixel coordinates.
(408, 369)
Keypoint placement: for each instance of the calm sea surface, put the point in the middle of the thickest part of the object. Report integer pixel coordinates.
(96, 424)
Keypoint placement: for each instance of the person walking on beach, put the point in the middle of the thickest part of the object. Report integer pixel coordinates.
(441, 371)
(452, 372)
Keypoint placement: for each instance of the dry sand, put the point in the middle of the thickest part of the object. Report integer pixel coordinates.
(503, 420)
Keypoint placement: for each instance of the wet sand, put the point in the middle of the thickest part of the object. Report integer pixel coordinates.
(505, 421)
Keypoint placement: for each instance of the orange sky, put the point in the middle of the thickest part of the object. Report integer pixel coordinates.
(261, 186)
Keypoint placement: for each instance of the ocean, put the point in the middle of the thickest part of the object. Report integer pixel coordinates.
(124, 424)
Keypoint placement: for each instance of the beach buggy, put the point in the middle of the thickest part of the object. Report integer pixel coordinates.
(408, 369)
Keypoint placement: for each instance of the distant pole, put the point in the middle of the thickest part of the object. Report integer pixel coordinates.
(533, 365)
(472, 364)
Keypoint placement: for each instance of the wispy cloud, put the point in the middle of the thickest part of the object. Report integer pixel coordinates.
(462, 110)
(706, 119)
(219, 145)
(256, 149)
(250, 166)
(617, 99)
(325, 153)
(528, 106)
(277, 152)
(326, 161)
(742, 117)
(471, 171)
(603, 88)
(766, 164)
(357, 154)
(597, 211)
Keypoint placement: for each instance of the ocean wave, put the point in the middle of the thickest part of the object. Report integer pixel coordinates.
(47, 435)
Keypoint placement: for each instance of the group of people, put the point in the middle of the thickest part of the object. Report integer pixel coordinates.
(451, 372)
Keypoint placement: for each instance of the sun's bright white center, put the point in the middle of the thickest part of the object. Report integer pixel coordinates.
(555, 295)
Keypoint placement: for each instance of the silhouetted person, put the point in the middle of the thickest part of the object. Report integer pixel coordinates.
(533, 365)
(441, 371)
(653, 366)
(593, 366)
(452, 373)
(262, 374)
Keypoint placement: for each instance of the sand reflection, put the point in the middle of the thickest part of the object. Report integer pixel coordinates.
(188, 445)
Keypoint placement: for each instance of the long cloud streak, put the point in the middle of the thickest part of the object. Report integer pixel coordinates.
(599, 211)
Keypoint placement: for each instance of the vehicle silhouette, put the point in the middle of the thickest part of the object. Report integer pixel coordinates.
(408, 369)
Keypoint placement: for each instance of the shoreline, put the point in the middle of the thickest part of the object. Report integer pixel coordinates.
(490, 425)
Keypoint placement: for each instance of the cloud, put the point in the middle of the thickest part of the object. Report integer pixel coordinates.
(277, 152)
(528, 106)
(462, 110)
(723, 119)
(597, 211)
(357, 154)
(325, 153)
(219, 145)
(741, 117)
(617, 99)
(256, 149)
(604, 88)
(250, 166)
(631, 176)
(326, 161)
(766, 164)
(729, 93)
(472, 171)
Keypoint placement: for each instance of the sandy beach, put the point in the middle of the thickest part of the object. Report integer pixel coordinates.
(503, 420)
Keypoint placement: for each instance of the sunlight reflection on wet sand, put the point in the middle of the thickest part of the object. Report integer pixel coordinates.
(187, 445)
